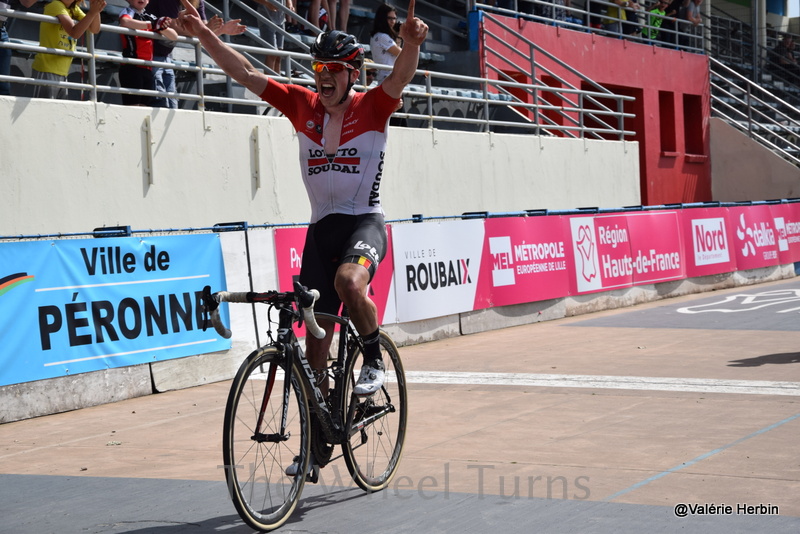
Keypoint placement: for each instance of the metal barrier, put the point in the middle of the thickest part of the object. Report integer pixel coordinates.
(572, 104)
(755, 111)
(435, 99)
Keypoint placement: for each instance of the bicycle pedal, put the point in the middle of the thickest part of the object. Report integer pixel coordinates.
(313, 475)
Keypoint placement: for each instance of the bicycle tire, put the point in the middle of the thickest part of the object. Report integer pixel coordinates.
(372, 449)
(263, 495)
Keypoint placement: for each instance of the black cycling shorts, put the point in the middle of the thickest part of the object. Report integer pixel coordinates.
(335, 240)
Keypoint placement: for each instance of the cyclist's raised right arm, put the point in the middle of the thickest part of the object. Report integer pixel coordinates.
(228, 59)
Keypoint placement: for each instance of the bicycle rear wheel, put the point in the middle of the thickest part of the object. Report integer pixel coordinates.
(377, 424)
(266, 427)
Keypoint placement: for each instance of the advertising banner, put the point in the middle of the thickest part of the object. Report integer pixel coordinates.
(786, 218)
(625, 249)
(708, 238)
(524, 260)
(74, 306)
(755, 241)
(437, 266)
(289, 243)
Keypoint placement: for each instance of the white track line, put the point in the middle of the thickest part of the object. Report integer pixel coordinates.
(698, 385)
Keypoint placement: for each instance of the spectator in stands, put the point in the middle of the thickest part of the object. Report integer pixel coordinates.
(615, 16)
(669, 27)
(162, 50)
(693, 27)
(383, 41)
(135, 17)
(63, 35)
(555, 12)
(5, 53)
(655, 17)
(269, 33)
(385, 46)
(783, 59)
(339, 14)
(596, 10)
(317, 14)
(633, 25)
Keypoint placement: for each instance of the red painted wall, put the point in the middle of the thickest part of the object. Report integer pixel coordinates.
(672, 90)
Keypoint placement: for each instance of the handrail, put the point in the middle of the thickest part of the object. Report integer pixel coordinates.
(780, 134)
(580, 17)
(537, 87)
(476, 101)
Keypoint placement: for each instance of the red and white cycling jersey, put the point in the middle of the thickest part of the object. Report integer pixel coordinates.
(350, 184)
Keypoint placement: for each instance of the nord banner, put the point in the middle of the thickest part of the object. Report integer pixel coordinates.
(74, 306)
(708, 236)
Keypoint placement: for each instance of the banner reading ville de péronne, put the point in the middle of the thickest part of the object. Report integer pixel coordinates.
(73, 306)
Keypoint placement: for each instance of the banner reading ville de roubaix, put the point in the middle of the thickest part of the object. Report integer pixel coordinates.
(436, 267)
(75, 306)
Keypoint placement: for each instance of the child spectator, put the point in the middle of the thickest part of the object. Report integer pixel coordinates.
(62, 35)
(655, 17)
(134, 17)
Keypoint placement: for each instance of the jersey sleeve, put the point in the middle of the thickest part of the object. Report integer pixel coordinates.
(287, 98)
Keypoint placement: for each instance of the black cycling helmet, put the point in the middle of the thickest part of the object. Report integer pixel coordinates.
(338, 46)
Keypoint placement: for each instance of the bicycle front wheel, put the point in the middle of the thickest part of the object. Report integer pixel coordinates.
(376, 425)
(266, 429)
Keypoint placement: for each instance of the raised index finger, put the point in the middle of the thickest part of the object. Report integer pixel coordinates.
(410, 14)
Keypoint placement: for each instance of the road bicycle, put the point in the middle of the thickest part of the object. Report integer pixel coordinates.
(277, 414)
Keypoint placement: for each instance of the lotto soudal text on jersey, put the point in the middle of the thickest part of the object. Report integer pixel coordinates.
(348, 181)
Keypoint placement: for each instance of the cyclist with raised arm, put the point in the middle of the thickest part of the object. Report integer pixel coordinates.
(342, 135)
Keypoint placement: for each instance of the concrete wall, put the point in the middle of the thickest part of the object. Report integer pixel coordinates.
(74, 166)
(743, 169)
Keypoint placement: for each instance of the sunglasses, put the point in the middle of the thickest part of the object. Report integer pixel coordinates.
(332, 66)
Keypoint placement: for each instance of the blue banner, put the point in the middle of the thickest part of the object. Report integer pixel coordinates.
(75, 306)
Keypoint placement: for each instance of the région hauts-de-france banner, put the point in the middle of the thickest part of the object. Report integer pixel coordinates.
(74, 306)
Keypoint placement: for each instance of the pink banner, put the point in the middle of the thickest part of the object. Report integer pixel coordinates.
(288, 255)
(708, 238)
(755, 240)
(787, 226)
(524, 260)
(625, 249)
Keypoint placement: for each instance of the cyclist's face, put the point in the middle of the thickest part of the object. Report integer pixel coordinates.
(332, 86)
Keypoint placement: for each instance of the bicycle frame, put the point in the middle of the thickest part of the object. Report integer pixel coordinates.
(332, 421)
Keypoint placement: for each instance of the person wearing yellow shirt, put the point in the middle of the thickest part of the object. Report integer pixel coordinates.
(63, 35)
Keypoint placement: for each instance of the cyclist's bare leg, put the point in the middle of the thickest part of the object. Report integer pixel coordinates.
(351, 285)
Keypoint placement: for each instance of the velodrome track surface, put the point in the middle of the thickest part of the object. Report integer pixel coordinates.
(601, 423)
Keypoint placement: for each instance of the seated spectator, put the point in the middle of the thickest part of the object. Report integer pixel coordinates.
(63, 35)
(134, 17)
(783, 59)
